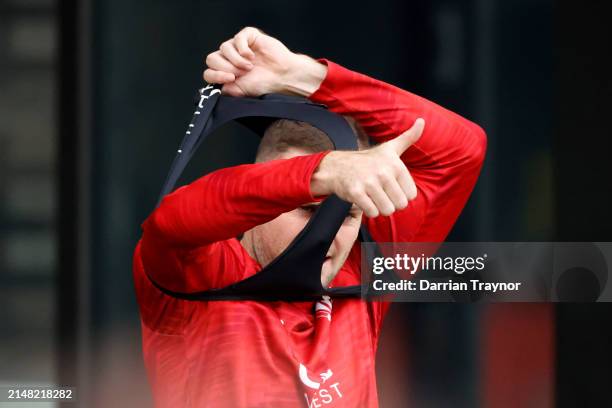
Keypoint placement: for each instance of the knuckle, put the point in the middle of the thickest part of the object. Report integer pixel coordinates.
(355, 191)
(384, 174)
(383, 170)
(398, 166)
(412, 194)
(402, 202)
(240, 43)
(250, 30)
(370, 182)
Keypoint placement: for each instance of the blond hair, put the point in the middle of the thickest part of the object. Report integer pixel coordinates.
(285, 133)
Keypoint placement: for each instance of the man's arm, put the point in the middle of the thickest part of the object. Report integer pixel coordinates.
(444, 162)
(180, 246)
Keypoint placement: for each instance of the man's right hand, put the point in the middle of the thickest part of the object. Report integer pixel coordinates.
(375, 180)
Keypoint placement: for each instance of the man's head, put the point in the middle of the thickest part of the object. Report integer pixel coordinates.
(285, 139)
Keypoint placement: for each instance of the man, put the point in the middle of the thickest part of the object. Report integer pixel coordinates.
(410, 187)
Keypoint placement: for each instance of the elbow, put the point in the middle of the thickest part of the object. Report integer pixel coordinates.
(161, 223)
(154, 227)
(476, 146)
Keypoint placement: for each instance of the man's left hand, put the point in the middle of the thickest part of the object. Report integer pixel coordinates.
(253, 63)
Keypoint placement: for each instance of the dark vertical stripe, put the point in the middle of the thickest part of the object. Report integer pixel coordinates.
(67, 187)
(583, 192)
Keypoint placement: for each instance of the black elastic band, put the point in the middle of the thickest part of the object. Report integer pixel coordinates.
(296, 273)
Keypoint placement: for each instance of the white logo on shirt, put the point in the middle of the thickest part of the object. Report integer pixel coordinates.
(322, 394)
(303, 373)
(323, 308)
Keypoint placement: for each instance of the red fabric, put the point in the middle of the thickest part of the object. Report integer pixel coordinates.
(517, 367)
(244, 353)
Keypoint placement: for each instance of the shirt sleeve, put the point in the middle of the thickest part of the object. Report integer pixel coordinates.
(444, 163)
(182, 240)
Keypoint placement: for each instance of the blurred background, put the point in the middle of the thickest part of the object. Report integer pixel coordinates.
(95, 95)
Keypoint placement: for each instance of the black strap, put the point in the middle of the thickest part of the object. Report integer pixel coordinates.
(195, 134)
(295, 274)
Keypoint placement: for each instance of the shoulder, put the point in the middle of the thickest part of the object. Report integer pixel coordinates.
(214, 266)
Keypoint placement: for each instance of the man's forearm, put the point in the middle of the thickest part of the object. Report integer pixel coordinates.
(304, 76)
(230, 201)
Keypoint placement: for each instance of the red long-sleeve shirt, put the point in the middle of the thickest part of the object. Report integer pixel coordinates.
(282, 354)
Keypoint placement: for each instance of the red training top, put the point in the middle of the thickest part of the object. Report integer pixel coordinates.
(282, 354)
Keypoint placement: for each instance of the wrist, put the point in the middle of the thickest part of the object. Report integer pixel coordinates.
(321, 179)
(304, 76)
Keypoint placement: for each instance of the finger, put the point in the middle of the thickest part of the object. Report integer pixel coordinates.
(366, 205)
(408, 138)
(382, 202)
(218, 77)
(406, 183)
(230, 52)
(243, 41)
(218, 62)
(396, 194)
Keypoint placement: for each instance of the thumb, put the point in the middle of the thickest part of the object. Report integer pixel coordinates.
(408, 138)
